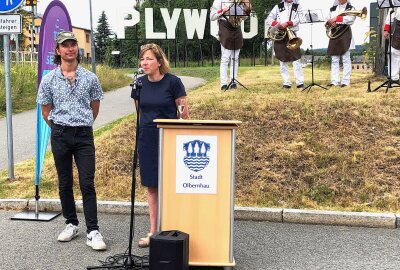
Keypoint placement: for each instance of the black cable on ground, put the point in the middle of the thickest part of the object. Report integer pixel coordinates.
(118, 262)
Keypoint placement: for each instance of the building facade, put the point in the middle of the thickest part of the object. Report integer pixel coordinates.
(83, 36)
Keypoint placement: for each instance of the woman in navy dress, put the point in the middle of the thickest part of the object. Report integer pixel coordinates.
(160, 95)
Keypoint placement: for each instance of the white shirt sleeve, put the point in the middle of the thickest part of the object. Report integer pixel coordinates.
(349, 20)
(396, 15)
(216, 6)
(272, 16)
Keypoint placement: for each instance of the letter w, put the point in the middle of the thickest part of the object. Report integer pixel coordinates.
(195, 22)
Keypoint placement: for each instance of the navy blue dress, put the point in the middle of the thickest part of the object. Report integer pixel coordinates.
(157, 101)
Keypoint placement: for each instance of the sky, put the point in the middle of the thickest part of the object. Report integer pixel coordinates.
(80, 16)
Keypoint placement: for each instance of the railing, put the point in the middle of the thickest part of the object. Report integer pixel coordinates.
(21, 57)
(27, 57)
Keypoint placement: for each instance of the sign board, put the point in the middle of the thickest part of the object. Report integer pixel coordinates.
(196, 164)
(10, 24)
(9, 5)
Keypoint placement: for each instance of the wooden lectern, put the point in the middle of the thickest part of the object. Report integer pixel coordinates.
(196, 186)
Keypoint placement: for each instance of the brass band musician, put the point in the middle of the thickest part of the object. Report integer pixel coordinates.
(282, 16)
(340, 47)
(230, 35)
(395, 50)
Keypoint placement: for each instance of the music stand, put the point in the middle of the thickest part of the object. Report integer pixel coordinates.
(311, 17)
(389, 83)
(237, 11)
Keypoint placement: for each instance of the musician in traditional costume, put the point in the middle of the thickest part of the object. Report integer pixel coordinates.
(230, 35)
(282, 16)
(395, 50)
(340, 47)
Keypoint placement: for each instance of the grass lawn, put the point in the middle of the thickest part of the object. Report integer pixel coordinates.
(337, 149)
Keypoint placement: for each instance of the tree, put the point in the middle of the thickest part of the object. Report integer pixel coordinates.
(379, 44)
(102, 37)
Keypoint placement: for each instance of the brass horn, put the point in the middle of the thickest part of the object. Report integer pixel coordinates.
(294, 41)
(334, 32)
(279, 34)
(276, 34)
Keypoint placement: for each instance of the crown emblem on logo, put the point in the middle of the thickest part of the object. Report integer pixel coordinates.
(196, 158)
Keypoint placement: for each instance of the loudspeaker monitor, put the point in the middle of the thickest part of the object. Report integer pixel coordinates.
(169, 250)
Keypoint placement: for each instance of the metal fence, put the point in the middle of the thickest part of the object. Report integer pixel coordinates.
(191, 53)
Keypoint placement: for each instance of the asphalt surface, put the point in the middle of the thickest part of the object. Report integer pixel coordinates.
(257, 245)
(115, 105)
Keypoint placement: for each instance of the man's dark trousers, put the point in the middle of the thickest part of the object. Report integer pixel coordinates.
(76, 142)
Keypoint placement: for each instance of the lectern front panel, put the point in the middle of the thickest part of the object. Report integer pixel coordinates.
(206, 217)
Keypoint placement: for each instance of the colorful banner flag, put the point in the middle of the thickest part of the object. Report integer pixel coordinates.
(55, 19)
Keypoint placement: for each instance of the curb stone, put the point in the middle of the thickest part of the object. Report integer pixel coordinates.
(356, 219)
(321, 217)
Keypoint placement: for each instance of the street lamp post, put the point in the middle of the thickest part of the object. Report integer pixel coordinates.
(92, 39)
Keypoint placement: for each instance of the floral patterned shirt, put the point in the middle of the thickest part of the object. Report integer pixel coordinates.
(70, 100)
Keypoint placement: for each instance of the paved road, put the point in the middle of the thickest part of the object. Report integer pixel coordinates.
(257, 245)
(116, 104)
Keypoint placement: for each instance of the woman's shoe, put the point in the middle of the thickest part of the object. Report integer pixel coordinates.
(145, 241)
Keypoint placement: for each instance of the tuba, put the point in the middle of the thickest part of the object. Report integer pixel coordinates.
(236, 19)
(279, 34)
(334, 32)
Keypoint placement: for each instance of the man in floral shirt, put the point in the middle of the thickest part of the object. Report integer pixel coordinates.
(70, 100)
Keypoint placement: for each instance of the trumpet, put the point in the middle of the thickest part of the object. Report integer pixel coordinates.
(279, 34)
(334, 32)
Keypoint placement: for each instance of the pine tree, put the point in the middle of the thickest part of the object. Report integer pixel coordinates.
(102, 36)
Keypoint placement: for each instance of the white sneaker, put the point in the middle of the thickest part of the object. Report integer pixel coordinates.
(70, 232)
(95, 240)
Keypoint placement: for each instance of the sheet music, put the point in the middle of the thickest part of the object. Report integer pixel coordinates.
(386, 3)
(311, 16)
(236, 10)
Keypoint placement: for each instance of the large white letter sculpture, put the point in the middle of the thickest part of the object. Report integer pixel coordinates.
(170, 22)
(195, 22)
(126, 19)
(149, 24)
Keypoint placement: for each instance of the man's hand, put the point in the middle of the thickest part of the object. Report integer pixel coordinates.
(283, 25)
(45, 113)
(95, 105)
(386, 34)
(331, 22)
(224, 10)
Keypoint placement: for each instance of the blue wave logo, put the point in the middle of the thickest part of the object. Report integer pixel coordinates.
(196, 158)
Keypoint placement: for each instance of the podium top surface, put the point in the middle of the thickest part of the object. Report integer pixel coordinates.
(190, 122)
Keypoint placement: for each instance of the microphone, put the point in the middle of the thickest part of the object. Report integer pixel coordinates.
(136, 84)
(140, 71)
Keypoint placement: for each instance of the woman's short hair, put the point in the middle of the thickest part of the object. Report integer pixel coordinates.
(57, 57)
(160, 56)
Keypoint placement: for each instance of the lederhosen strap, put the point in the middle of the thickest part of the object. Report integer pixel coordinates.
(340, 45)
(281, 51)
(281, 7)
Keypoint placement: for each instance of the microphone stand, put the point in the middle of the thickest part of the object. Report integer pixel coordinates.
(136, 86)
(128, 262)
